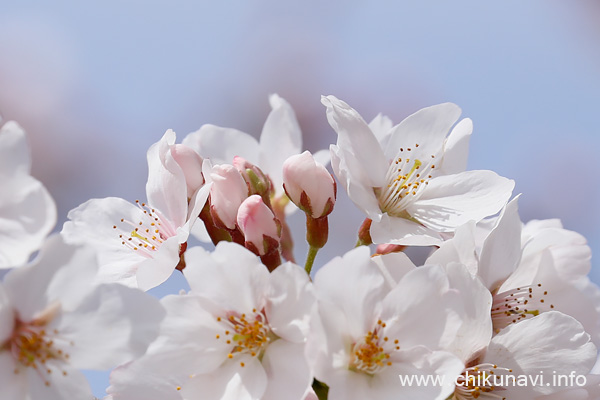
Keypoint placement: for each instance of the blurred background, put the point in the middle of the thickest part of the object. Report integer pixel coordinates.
(96, 83)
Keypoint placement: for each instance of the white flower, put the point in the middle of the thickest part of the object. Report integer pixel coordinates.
(27, 212)
(280, 138)
(537, 349)
(54, 322)
(371, 333)
(412, 185)
(140, 245)
(239, 334)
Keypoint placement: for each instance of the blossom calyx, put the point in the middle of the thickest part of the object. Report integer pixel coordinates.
(309, 185)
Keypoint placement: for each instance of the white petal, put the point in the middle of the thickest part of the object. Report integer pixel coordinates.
(229, 382)
(393, 267)
(461, 248)
(353, 178)
(355, 138)
(426, 128)
(501, 250)
(114, 324)
(456, 148)
(73, 385)
(14, 386)
(403, 231)
(14, 151)
(7, 316)
(232, 270)
(221, 145)
(280, 139)
(287, 371)
(381, 126)
(290, 302)
(358, 294)
(451, 200)
(550, 342)
(153, 271)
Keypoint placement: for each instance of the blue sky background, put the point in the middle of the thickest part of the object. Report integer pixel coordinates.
(96, 83)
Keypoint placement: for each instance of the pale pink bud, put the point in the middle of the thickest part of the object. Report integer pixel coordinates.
(228, 191)
(258, 182)
(258, 224)
(309, 185)
(191, 165)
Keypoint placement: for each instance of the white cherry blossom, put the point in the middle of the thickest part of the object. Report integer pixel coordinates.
(53, 322)
(413, 185)
(140, 245)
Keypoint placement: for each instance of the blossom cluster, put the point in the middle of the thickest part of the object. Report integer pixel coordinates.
(495, 296)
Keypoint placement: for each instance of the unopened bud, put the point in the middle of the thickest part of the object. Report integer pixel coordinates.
(257, 222)
(227, 193)
(309, 185)
(257, 181)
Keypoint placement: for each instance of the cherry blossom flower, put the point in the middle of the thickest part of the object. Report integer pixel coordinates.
(412, 186)
(239, 333)
(140, 245)
(537, 349)
(27, 212)
(53, 322)
(371, 333)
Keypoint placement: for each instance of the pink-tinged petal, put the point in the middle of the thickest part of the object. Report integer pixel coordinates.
(258, 224)
(228, 191)
(393, 267)
(423, 132)
(112, 325)
(452, 200)
(290, 303)
(456, 148)
(422, 309)
(72, 385)
(221, 145)
(301, 174)
(280, 139)
(354, 179)
(355, 138)
(191, 165)
(475, 329)
(48, 278)
(552, 343)
(14, 386)
(362, 290)
(403, 231)
(288, 373)
(381, 127)
(501, 250)
(166, 188)
(231, 381)
(232, 269)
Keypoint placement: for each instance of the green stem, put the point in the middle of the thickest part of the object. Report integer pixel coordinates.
(310, 258)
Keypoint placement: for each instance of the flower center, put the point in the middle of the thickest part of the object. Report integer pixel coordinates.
(371, 354)
(514, 305)
(406, 178)
(247, 335)
(147, 234)
(32, 345)
(481, 381)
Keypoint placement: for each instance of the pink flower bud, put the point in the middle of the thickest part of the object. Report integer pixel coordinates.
(258, 182)
(191, 164)
(309, 185)
(228, 191)
(261, 229)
